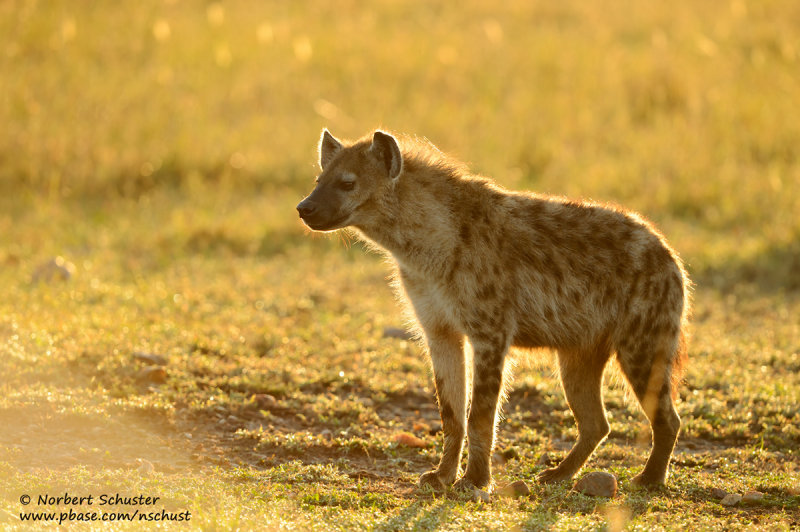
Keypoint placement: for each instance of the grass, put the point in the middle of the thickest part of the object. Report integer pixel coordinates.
(160, 149)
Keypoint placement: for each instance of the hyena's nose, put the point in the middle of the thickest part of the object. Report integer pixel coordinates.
(306, 208)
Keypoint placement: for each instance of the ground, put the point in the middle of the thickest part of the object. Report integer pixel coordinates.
(197, 344)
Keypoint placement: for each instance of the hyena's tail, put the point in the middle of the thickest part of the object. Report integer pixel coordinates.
(681, 358)
(679, 363)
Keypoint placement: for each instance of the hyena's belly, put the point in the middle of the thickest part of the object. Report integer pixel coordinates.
(559, 324)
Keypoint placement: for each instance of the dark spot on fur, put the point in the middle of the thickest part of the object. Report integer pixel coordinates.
(608, 295)
(638, 373)
(555, 271)
(487, 291)
(663, 255)
(672, 329)
(635, 326)
(465, 234)
(649, 328)
(446, 412)
(579, 245)
(455, 265)
(621, 269)
(575, 296)
(639, 383)
(482, 315)
(481, 390)
(664, 297)
(633, 291)
(500, 242)
(492, 362)
(485, 394)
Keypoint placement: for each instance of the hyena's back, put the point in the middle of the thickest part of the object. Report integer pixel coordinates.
(574, 276)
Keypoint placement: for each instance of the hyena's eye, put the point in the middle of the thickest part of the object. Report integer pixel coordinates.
(347, 185)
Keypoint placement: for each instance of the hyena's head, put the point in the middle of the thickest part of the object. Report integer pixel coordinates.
(353, 177)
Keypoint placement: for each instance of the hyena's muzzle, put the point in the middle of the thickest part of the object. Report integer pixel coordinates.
(321, 211)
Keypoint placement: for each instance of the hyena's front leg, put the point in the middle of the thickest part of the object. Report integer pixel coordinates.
(489, 358)
(446, 348)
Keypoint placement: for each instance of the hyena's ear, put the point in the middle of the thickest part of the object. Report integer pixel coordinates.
(385, 149)
(328, 148)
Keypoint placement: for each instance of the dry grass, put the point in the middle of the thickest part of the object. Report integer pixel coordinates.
(160, 147)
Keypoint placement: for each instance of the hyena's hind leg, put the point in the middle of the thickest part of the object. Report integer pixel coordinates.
(446, 348)
(582, 378)
(650, 368)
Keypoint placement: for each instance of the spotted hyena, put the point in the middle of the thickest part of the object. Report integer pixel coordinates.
(495, 269)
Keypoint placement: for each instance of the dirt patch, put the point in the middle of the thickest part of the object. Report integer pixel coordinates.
(45, 438)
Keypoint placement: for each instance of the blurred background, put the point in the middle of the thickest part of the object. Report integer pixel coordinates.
(687, 112)
(162, 304)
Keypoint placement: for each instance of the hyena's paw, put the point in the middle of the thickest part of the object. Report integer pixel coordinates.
(432, 479)
(647, 481)
(464, 484)
(552, 475)
(482, 480)
(469, 488)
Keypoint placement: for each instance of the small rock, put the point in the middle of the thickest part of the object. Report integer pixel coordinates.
(515, 489)
(396, 332)
(752, 497)
(479, 495)
(421, 426)
(155, 374)
(409, 440)
(731, 499)
(264, 401)
(545, 460)
(718, 493)
(326, 433)
(597, 484)
(54, 269)
(497, 459)
(510, 454)
(435, 429)
(150, 358)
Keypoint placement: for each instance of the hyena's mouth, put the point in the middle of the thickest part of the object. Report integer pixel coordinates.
(326, 225)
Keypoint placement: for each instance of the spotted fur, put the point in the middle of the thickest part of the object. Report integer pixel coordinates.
(485, 268)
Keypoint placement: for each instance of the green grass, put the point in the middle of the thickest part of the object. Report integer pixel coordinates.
(160, 148)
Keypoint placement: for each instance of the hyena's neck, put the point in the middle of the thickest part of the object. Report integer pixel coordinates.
(416, 227)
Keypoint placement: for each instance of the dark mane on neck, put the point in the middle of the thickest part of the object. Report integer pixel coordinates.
(421, 157)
